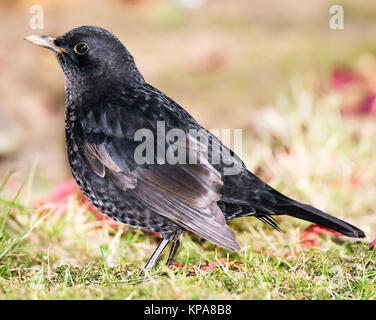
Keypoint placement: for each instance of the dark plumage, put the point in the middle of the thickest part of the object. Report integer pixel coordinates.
(108, 100)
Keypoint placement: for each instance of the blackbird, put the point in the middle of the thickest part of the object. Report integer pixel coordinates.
(135, 173)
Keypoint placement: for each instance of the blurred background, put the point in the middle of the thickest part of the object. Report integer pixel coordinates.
(304, 94)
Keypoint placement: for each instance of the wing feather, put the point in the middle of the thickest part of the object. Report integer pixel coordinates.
(186, 194)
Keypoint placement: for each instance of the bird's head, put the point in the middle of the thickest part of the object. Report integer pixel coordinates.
(91, 54)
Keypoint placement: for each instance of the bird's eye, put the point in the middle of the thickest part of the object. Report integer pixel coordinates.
(81, 48)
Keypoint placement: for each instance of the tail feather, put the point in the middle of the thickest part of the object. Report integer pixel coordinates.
(270, 221)
(306, 212)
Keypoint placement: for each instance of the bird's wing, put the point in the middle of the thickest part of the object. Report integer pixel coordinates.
(103, 165)
(184, 193)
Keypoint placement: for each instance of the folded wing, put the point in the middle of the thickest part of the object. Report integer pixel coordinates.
(187, 194)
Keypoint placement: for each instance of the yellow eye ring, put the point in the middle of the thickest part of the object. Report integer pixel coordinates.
(81, 48)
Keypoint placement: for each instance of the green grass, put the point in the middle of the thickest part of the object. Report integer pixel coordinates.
(54, 252)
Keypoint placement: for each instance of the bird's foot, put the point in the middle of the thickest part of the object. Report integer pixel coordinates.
(143, 273)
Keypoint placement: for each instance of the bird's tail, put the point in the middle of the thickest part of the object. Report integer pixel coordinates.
(306, 212)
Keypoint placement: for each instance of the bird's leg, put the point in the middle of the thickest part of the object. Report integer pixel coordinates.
(174, 249)
(155, 256)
